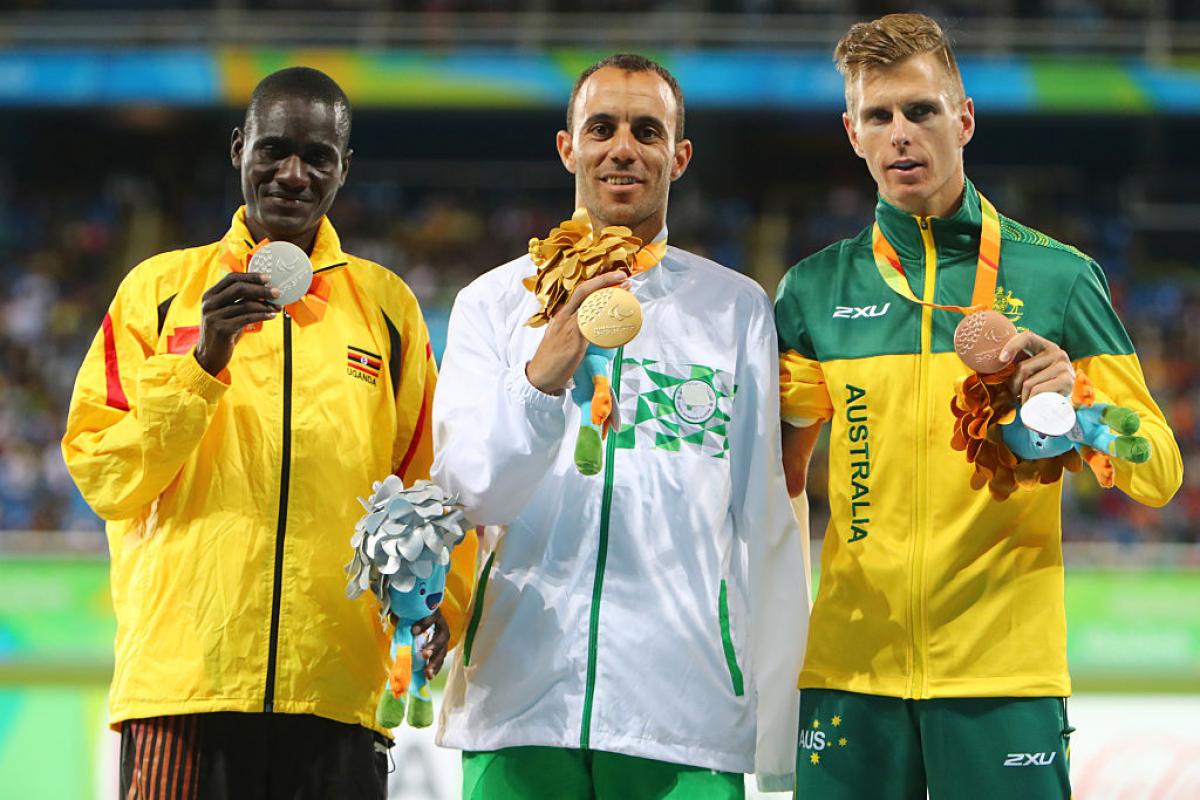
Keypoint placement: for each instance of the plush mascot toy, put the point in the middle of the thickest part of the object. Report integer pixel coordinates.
(401, 553)
(1014, 445)
(608, 319)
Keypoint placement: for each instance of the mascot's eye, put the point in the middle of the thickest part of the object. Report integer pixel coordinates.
(422, 591)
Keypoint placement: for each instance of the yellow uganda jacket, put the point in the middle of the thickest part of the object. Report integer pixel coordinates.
(230, 500)
(928, 588)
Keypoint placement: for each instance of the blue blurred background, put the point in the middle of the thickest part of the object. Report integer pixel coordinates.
(116, 122)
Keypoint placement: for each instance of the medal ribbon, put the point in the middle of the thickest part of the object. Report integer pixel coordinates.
(648, 256)
(308, 309)
(887, 261)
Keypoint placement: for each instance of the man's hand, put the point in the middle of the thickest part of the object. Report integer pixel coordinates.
(235, 301)
(1048, 369)
(563, 346)
(435, 649)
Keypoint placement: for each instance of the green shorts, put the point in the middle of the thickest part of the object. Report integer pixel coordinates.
(855, 746)
(543, 772)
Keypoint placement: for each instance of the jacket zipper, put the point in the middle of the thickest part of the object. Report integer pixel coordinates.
(585, 733)
(281, 526)
(919, 677)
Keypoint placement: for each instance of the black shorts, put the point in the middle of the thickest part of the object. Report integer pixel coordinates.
(231, 756)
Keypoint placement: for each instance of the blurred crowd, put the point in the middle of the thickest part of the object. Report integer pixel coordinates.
(67, 249)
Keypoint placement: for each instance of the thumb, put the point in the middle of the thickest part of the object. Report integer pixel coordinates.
(589, 287)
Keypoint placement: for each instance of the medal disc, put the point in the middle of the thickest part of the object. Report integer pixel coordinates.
(1048, 413)
(980, 337)
(610, 317)
(288, 267)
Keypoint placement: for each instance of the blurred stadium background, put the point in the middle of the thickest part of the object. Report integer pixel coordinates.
(117, 116)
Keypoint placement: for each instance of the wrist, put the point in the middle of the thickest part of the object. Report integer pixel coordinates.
(540, 382)
(203, 360)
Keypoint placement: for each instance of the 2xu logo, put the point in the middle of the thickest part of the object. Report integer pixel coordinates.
(1029, 759)
(853, 312)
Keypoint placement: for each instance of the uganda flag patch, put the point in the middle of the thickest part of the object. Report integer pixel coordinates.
(363, 362)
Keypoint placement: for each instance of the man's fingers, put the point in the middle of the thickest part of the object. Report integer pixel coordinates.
(237, 288)
(237, 316)
(592, 285)
(435, 653)
(233, 278)
(1025, 341)
(434, 664)
(1033, 365)
(1052, 380)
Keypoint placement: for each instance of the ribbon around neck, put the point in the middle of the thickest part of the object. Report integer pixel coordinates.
(887, 261)
(648, 256)
(308, 309)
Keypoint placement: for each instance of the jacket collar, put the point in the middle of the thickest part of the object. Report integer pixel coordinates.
(326, 251)
(954, 236)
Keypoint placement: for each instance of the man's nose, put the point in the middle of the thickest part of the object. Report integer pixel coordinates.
(291, 173)
(900, 130)
(624, 145)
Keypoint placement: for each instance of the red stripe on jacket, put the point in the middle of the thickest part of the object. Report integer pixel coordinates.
(116, 395)
(414, 442)
(416, 437)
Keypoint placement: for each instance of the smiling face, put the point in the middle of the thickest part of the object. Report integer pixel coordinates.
(622, 150)
(910, 122)
(292, 162)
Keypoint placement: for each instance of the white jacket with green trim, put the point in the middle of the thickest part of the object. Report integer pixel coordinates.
(658, 609)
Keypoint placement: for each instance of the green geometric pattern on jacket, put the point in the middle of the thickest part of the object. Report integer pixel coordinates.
(677, 407)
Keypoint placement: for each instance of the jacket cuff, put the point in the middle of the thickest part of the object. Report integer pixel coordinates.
(776, 783)
(525, 393)
(199, 382)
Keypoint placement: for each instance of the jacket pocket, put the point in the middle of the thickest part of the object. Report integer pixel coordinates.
(735, 672)
(477, 611)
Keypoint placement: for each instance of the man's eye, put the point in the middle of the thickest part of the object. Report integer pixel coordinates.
(648, 133)
(601, 129)
(880, 116)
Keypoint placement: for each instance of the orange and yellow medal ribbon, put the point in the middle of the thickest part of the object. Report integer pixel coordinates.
(308, 309)
(887, 261)
(648, 256)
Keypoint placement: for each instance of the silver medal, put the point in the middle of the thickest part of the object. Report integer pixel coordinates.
(1048, 413)
(289, 268)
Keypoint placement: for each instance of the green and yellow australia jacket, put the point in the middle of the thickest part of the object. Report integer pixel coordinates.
(928, 588)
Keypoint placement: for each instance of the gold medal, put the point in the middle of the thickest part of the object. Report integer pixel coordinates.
(610, 317)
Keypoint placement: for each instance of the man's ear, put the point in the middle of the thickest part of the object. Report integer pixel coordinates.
(966, 118)
(346, 167)
(852, 134)
(566, 150)
(683, 157)
(237, 141)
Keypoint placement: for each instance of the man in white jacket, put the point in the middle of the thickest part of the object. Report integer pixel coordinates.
(637, 633)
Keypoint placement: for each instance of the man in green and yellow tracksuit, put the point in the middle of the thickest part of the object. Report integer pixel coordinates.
(224, 440)
(936, 655)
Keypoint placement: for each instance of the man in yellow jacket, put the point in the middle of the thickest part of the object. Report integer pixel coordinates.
(224, 440)
(936, 660)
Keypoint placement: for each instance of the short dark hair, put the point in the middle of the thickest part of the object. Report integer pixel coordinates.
(309, 84)
(629, 62)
